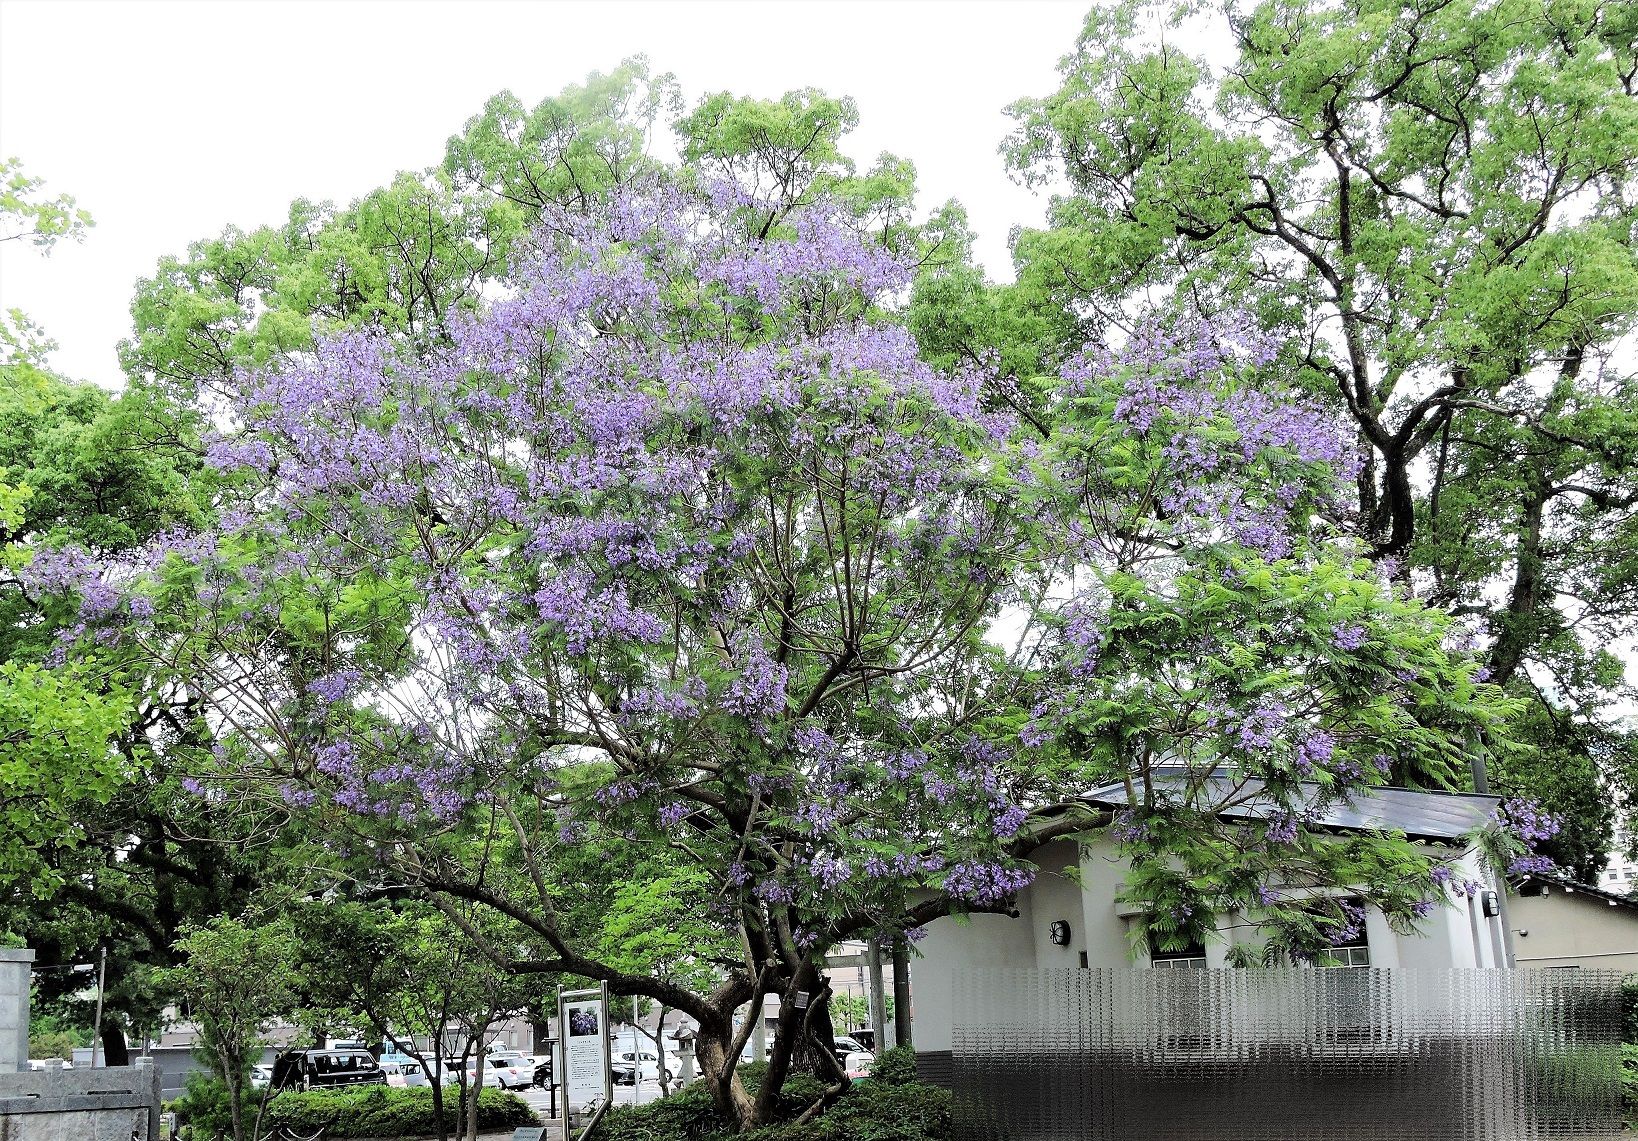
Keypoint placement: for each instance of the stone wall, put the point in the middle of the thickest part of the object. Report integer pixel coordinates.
(115, 1104)
(14, 978)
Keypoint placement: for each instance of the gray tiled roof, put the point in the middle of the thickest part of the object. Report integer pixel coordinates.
(1435, 816)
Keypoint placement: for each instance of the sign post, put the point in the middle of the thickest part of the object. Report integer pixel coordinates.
(583, 1030)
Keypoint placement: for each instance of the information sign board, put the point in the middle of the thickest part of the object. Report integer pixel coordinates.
(585, 1049)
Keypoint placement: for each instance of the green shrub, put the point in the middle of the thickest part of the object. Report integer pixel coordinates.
(1629, 1083)
(383, 1111)
(895, 1067)
(871, 1111)
(1629, 1021)
(1629, 1050)
(687, 1115)
(204, 1107)
(51, 1044)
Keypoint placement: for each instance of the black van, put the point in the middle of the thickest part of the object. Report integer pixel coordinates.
(326, 1069)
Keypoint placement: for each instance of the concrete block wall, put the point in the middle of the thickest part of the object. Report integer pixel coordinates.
(14, 980)
(116, 1104)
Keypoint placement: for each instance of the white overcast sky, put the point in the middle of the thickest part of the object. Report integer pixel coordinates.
(170, 121)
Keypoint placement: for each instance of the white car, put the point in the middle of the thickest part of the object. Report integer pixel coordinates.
(403, 1070)
(647, 1063)
(260, 1076)
(505, 1072)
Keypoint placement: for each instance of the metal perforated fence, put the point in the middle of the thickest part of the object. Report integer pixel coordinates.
(1287, 1055)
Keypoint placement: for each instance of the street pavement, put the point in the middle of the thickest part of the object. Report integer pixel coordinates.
(541, 1102)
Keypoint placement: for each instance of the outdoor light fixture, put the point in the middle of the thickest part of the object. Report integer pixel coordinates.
(1059, 932)
(1492, 905)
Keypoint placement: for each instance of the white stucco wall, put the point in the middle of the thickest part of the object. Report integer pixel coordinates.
(1456, 935)
(957, 944)
(1103, 872)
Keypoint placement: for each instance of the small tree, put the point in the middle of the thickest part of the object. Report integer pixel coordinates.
(237, 977)
(410, 975)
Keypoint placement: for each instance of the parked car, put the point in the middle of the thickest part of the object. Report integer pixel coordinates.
(848, 1044)
(505, 1072)
(624, 1073)
(326, 1069)
(260, 1076)
(40, 1063)
(647, 1063)
(403, 1070)
(543, 1069)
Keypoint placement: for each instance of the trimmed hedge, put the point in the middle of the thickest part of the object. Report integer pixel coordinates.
(382, 1111)
(888, 1106)
(374, 1111)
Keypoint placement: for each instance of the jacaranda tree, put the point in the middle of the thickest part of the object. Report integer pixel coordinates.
(678, 550)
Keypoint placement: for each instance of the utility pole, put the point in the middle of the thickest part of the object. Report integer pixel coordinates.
(901, 990)
(878, 997)
(96, 1023)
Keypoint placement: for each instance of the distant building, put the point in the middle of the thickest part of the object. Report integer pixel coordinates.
(1621, 874)
(1561, 924)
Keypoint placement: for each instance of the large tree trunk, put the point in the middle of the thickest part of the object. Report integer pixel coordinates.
(1517, 621)
(115, 1051)
(720, 1069)
(803, 1036)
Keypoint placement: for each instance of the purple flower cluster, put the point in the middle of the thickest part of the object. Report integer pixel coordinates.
(1351, 926)
(334, 687)
(1263, 725)
(985, 883)
(1348, 636)
(1314, 751)
(1527, 820)
(1281, 828)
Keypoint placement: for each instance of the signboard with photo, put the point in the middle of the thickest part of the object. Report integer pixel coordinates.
(585, 1050)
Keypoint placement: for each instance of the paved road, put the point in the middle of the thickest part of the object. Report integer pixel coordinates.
(642, 1094)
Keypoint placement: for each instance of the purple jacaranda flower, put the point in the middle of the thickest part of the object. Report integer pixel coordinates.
(1348, 636)
(334, 687)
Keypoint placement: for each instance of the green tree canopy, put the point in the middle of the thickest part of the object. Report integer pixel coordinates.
(1434, 205)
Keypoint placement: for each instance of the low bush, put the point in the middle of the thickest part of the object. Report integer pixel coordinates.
(1629, 1020)
(1629, 1050)
(888, 1106)
(687, 1115)
(374, 1111)
(204, 1107)
(382, 1111)
(896, 1067)
(872, 1111)
(1629, 1083)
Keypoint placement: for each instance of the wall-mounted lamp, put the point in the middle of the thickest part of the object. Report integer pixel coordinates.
(1058, 932)
(1492, 904)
